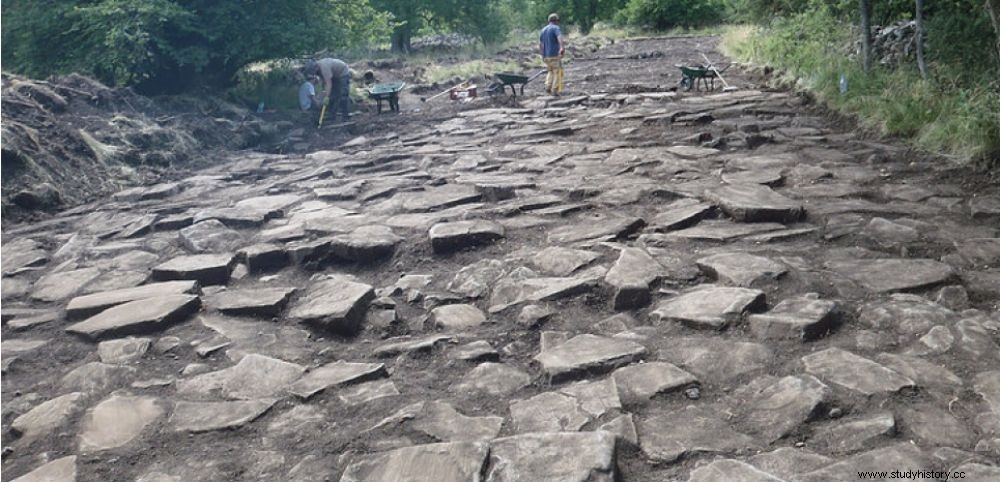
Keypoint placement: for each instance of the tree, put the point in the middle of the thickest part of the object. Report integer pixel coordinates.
(919, 34)
(480, 18)
(993, 9)
(866, 34)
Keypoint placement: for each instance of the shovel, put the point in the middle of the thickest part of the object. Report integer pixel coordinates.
(435, 96)
(322, 113)
(726, 87)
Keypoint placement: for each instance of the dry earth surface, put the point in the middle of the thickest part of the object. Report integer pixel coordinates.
(623, 283)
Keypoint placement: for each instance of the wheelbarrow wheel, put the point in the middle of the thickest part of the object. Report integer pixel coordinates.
(686, 83)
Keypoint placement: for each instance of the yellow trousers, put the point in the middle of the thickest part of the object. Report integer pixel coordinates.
(554, 79)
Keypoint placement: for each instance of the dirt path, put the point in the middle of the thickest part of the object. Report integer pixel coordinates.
(621, 282)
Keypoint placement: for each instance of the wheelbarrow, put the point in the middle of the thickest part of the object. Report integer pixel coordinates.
(512, 80)
(388, 91)
(706, 74)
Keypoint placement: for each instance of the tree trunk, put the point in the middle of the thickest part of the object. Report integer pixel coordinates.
(401, 40)
(866, 34)
(919, 17)
(993, 8)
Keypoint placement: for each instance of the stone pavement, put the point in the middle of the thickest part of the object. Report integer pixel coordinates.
(632, 285)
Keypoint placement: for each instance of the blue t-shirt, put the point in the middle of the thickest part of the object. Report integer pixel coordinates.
(550, 40)
(306, 92)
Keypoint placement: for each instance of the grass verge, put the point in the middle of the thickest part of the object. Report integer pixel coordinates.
(955, 113)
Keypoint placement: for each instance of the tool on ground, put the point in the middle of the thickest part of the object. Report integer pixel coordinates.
(513, 80)
(322, 112)
(439, 94)
(388, 91)
(726, 87)
(463, 91)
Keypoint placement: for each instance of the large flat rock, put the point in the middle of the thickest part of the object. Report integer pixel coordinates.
(756, 203)
(799, 318)
(441, 462)
(630, 278)
(87, 305)
(338, 304)
(442, 422)
(47, 416)
(559, 261)
(887, 275)
(716, 360)
(902, 454)
(196, 417)
(514, 289)
(555, 457)
(592, 230)
(691, 430)
(639, 383)
(210, 236)
(493, 379)
(457, 235)
(366, 244)
(263, 302)
(854, 372)
(207, 269)
(588, 353)
(137, 317)
(254, 377)
(117, 421)
(62, 285)
(741, 269)
(730, 470)
(567, 409)
(710, 307)
(58, 470)
(780, 408)
(335, 374)
(457, 317)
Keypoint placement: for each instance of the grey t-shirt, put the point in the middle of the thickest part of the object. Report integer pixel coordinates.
(332, 68)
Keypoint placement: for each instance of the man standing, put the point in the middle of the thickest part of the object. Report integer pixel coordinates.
(551, 46)
(336, 77)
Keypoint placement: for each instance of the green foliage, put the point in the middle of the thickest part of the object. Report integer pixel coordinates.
(667, 14)
(483, 19)
(957, 113)
(167, 45)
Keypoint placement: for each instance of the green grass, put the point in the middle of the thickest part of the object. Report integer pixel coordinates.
(958, 120)
(467, 69)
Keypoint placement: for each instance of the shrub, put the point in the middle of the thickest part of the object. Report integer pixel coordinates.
(667, 14)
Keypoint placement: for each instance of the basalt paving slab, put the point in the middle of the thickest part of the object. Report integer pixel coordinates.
(756, 203)
(262, 302)
(710, 307)
(441, 421)
(854, 372)
(691, 430)
(254, 377)
(441, 462)
(588, 354)
(336, 304)
(196, 417)
(741, 269)
(59, 470)
(554, 456)
(137, 317)
(207, 269)
(88, 305)
(116, 421)
(730, 470)
(803, 318)
(335, 374)
(888, 275)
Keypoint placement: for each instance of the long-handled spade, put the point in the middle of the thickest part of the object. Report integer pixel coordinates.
(726, 87)
(322, 113)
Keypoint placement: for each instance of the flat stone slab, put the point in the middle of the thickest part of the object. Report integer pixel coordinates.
(444, 423)
(123, 350)
(254, 377)
(95, 378)
(210, 237)
(492, 379)
(116, 421)
(756, 203)
(62, 285)
(475, 280)
(722, 231)
(730, 470)
(137, 317)
(905, 314)
(937, 427)
(196, 417)
(639, 383)
(453, 236)
(854, 372)
(441, 197)
(741, 269)
(515, 289)
(987, 385)
(710, 308)
(457, 317)
(888, 275)
(680, 214)
(800, 318)
(768, 177)
(88, 305)
(365, 392)
(338, 304)
(58, 470)
(786, 462)
(780, 408)
(441, 462)
(980, 251)
(366, 244)
(596, 229)
(692, 430)
(588, 354)
(335, 374)
(47, 416)
(566, 409)
(556, 457)
(630, 278)
(263, 302)
(854, 435)
(903, 454)
(716, 360)
(559, 261)
(207, 269)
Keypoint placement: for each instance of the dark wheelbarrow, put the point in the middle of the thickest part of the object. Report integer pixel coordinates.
(512, 80)
(706, 74)
(388, 91)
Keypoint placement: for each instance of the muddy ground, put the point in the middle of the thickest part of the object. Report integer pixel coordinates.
(627, 282)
